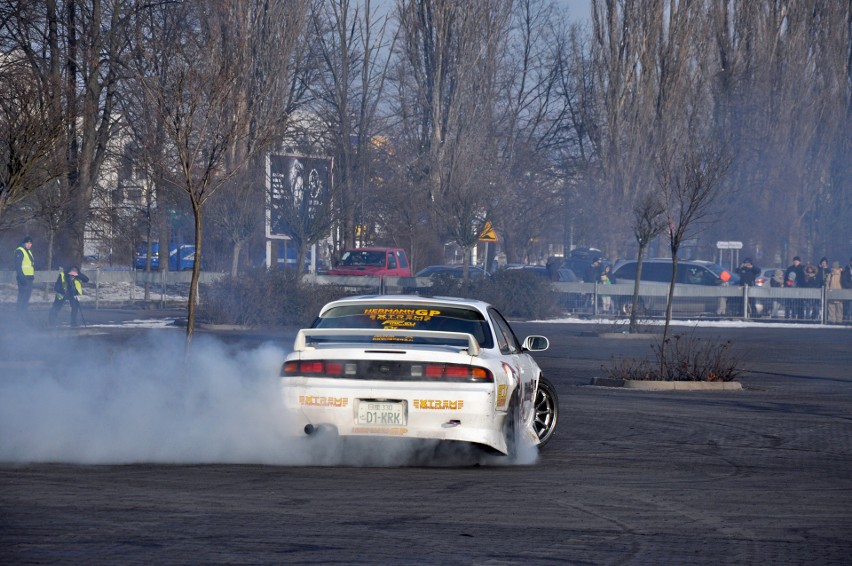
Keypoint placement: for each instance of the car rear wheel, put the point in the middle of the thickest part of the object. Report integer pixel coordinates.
(512, 427)
(546, 411)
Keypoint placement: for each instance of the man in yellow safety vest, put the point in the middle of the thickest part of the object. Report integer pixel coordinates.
(68, 287)
(24, 272)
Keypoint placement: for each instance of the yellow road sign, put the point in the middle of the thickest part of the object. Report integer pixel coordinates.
(488, 233)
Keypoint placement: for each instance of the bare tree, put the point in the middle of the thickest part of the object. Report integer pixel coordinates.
(648, 223)
(689, 171)
(74, 48)
(446, 81)
(531, 108)
(237, 211)
(224, 97)
(353, 46)
(30, 134)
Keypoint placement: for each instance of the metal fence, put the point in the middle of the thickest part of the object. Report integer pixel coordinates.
(819, 305)
(591, 299)
(119, 286)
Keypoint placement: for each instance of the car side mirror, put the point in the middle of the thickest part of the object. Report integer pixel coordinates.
(536, 343)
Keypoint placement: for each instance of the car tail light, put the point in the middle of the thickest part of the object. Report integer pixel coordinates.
(313, 368)
(760, 281)
(386, 371)
(452, 372)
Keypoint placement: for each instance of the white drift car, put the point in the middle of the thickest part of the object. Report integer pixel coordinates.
(419, 367)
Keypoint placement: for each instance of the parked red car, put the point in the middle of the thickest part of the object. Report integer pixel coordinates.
(373, 261)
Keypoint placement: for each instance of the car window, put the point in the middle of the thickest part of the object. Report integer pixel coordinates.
(692, 274)
(391, 261)
(659, 272)
(403, 261)
(361, 257)
(626, 271)
(390, 316)
(506, 339)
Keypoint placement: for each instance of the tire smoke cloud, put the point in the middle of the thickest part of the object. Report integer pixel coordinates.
(92, 400)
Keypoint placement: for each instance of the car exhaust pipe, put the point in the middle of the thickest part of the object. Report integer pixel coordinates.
(312, 430)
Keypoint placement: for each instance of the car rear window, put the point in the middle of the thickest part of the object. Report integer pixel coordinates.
(388, 316)
(370, 258)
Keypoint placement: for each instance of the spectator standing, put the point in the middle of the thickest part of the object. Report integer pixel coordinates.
(793, 278)
(593, 272)
(823, 271)
(24, 272)
(607, 278)
(748, 272)
(593, 275)
(811, 282)
(777, 282)
(68, 287)
(833, 283)
(846, 283)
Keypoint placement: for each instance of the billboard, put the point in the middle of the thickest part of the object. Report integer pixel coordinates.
(298, 192)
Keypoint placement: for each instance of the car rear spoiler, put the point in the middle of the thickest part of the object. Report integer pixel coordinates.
(305, 333)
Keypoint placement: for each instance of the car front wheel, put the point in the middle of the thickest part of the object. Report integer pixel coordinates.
(546, 411)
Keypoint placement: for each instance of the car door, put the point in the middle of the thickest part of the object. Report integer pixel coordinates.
(521, 362)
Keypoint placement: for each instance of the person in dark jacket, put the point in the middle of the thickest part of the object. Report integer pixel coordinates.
(748, 272)
(593, 272)
(811, 282)
(846, 283)
(823, 271)
(794, 277)
(68, 287)
(24, 272)
(777, 282)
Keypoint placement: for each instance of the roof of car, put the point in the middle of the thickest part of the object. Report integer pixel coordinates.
(621, 262)
(371, 249)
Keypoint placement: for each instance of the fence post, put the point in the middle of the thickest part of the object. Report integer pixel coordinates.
(97, 287)
(595, 299)
(745, 302)
(823, 306)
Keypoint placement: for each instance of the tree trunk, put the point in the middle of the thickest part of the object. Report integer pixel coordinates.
(664, 344)
(634, 305)
(196, 274)
(235, 258)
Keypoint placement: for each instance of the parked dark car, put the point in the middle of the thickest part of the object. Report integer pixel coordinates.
(689, 272)
(562, 274)
(451, 271)
(578, 262)
(443, 272)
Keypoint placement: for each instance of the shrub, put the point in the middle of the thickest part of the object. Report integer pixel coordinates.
(266, 298)
(515, 293)
(275, 298)
(688, 358)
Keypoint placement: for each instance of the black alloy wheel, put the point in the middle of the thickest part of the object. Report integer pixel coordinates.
(546, 411)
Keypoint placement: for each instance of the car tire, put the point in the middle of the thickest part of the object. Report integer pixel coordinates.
(512, 428)
(546, 411)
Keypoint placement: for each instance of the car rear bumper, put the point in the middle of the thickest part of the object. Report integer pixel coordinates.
(461, 412)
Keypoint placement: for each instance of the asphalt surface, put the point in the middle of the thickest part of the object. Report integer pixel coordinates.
(759, 476)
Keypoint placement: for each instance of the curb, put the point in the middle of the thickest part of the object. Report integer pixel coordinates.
(668, 385)
(627, 335)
